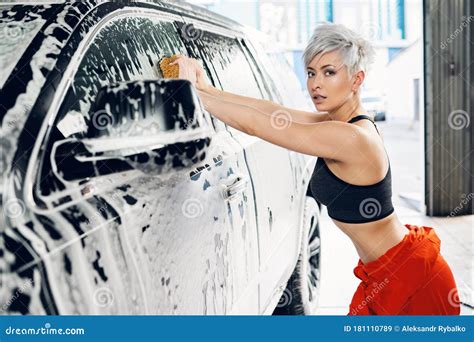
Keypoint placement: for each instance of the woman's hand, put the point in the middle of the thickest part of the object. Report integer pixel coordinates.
(191, 70)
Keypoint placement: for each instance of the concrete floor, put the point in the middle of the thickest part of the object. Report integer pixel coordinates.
(338, 255)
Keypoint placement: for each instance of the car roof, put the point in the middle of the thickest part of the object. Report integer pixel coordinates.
(180, 7)
(22, 22)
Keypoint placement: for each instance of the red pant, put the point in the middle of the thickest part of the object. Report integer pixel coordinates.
(411, 278)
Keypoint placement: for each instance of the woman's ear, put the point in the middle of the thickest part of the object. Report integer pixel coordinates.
(359, 78)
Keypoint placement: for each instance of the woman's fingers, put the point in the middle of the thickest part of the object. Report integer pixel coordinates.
(186, 70)
(177, 56)
(190, 69)
(185, 58)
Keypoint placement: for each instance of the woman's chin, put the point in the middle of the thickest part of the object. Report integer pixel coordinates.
(320, 107)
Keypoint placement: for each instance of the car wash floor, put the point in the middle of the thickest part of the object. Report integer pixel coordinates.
(338, 255)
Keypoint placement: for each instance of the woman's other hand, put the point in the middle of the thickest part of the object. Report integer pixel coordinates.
(190, 69)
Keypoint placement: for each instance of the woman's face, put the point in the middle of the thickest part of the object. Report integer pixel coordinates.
(328, 81)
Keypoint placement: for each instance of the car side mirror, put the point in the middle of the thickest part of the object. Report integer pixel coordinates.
(155, 126)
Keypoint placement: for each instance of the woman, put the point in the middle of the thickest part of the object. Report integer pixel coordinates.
(400, 267)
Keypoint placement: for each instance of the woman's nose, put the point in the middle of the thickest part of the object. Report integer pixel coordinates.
(314, 83)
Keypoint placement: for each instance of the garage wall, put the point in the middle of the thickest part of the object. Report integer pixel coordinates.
(448, 107)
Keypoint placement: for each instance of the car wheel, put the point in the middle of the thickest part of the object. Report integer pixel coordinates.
(300, 296)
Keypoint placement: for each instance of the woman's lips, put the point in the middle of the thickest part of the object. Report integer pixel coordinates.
(319, 98)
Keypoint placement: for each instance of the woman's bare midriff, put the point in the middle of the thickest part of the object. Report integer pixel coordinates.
(373, 239)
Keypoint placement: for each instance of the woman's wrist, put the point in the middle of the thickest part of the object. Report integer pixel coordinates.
(209, 89)
(207, 99)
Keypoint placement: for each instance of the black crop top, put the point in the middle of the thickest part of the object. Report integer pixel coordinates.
(348, 202)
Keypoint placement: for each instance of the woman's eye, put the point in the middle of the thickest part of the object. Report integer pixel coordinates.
(329, 73)
(310, 74)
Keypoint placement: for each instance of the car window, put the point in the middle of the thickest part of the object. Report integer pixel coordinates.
(125, 49)
(228, 64)
(278, 74)
(289, 85)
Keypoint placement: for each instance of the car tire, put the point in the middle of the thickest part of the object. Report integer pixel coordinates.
(301, 294)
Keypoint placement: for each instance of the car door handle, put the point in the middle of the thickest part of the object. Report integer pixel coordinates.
(237, 185)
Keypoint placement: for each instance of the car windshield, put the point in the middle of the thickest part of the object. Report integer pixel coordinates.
(18, 27)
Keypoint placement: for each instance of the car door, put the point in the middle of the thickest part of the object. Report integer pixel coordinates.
(120, 241)
(191, 31)
(270, 166)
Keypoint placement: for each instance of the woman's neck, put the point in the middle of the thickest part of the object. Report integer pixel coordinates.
(347, 111)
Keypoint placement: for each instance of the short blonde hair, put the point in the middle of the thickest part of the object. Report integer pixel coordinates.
(357, 53)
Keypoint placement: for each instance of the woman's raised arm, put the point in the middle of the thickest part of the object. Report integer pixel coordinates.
(268, 107)
(190, 69)
(330, 139)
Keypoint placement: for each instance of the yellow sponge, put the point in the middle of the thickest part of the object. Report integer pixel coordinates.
(169, 71)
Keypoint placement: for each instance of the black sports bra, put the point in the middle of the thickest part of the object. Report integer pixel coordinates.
(348, 202)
